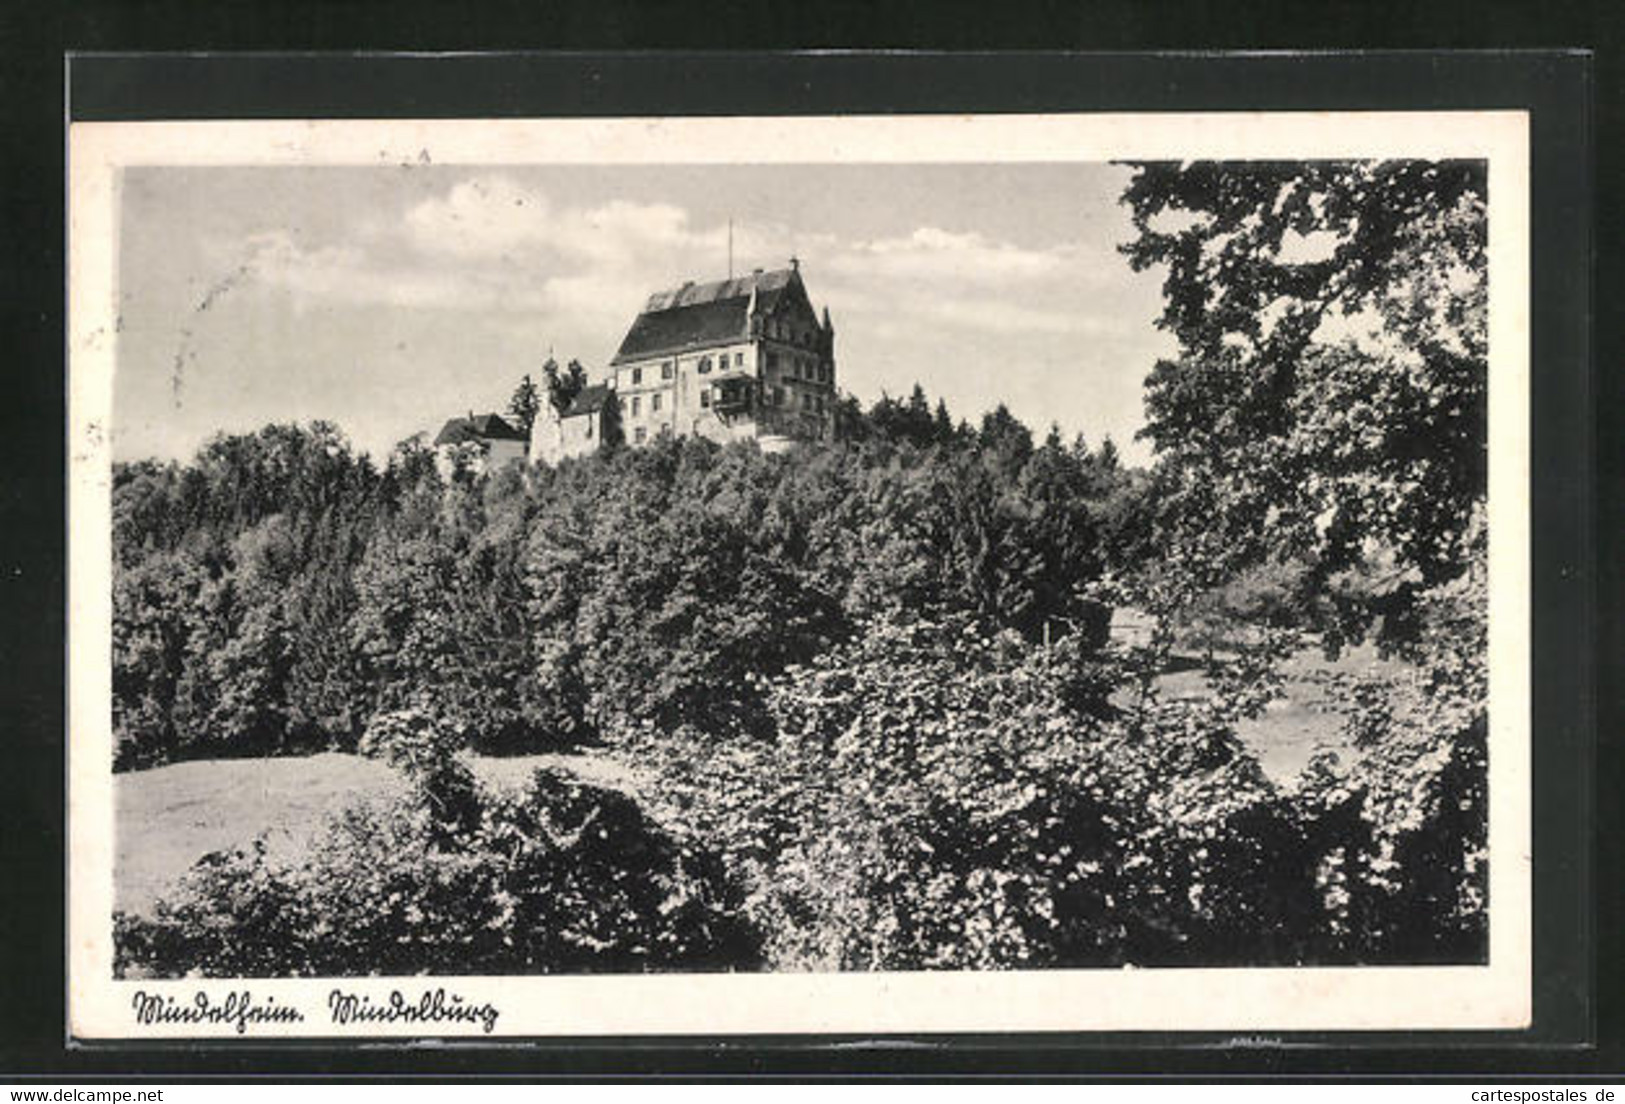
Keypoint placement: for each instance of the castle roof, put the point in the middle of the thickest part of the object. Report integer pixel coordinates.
(695, 316)
(589, 399)
(477, 428)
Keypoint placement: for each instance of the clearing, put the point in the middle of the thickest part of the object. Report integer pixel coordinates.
(168, 818)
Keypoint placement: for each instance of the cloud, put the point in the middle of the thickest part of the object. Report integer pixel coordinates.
(490, 217)
(493, 244)
(483, 217)
(351, 274)
(970, 282)
(930, 253)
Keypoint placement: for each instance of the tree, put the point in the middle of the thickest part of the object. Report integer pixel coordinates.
(525, 404)
(563, 387)
(850, 422)
(1106, 457)
(1005, 436)
(1328, 405)
(908, 420)
(919, 415)
(1329, 395)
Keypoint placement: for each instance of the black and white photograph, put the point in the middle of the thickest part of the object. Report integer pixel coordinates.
(910, 574)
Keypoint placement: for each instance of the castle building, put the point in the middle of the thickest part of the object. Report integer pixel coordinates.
(729, 360)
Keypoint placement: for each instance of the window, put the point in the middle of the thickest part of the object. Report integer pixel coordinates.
(739, 360)
(640, 435)
(772, 361)
(665, 429)
(637, 377)
(705, 364)
(587, 433)
(778, 396)
(666, 371)
(705, 398)
(637, 403)
(654, 401)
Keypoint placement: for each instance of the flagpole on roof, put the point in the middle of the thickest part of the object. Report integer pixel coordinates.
(730, 249)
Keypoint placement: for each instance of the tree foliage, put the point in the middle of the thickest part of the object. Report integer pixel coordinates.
(526, 403)
(563, 385)
(278, 593)
(1328, 400)
(1322, 454)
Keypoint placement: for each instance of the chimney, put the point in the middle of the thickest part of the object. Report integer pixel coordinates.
(795, 264)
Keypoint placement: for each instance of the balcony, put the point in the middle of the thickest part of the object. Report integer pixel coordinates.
(733, 396)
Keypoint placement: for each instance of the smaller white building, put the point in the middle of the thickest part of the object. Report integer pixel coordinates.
(579, 430)
(479, 443)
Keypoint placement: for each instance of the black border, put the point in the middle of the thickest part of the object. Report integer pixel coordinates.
(1556, 88)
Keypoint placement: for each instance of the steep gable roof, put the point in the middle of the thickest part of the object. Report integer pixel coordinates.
(477, 428)
(694, 316)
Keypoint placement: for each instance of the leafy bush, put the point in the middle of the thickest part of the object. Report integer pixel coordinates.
(1232, 615)
(1407, 872)
(932, 800)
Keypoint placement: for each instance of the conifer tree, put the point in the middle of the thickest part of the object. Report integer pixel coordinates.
(525, 404)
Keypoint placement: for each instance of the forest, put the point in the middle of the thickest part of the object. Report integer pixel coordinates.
(869, 689)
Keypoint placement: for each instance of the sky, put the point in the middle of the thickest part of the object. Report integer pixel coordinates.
(387, 300)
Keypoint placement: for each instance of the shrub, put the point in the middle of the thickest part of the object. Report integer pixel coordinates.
(1231, 616)
(424, 748)
(933, 801)
(1404, 823)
